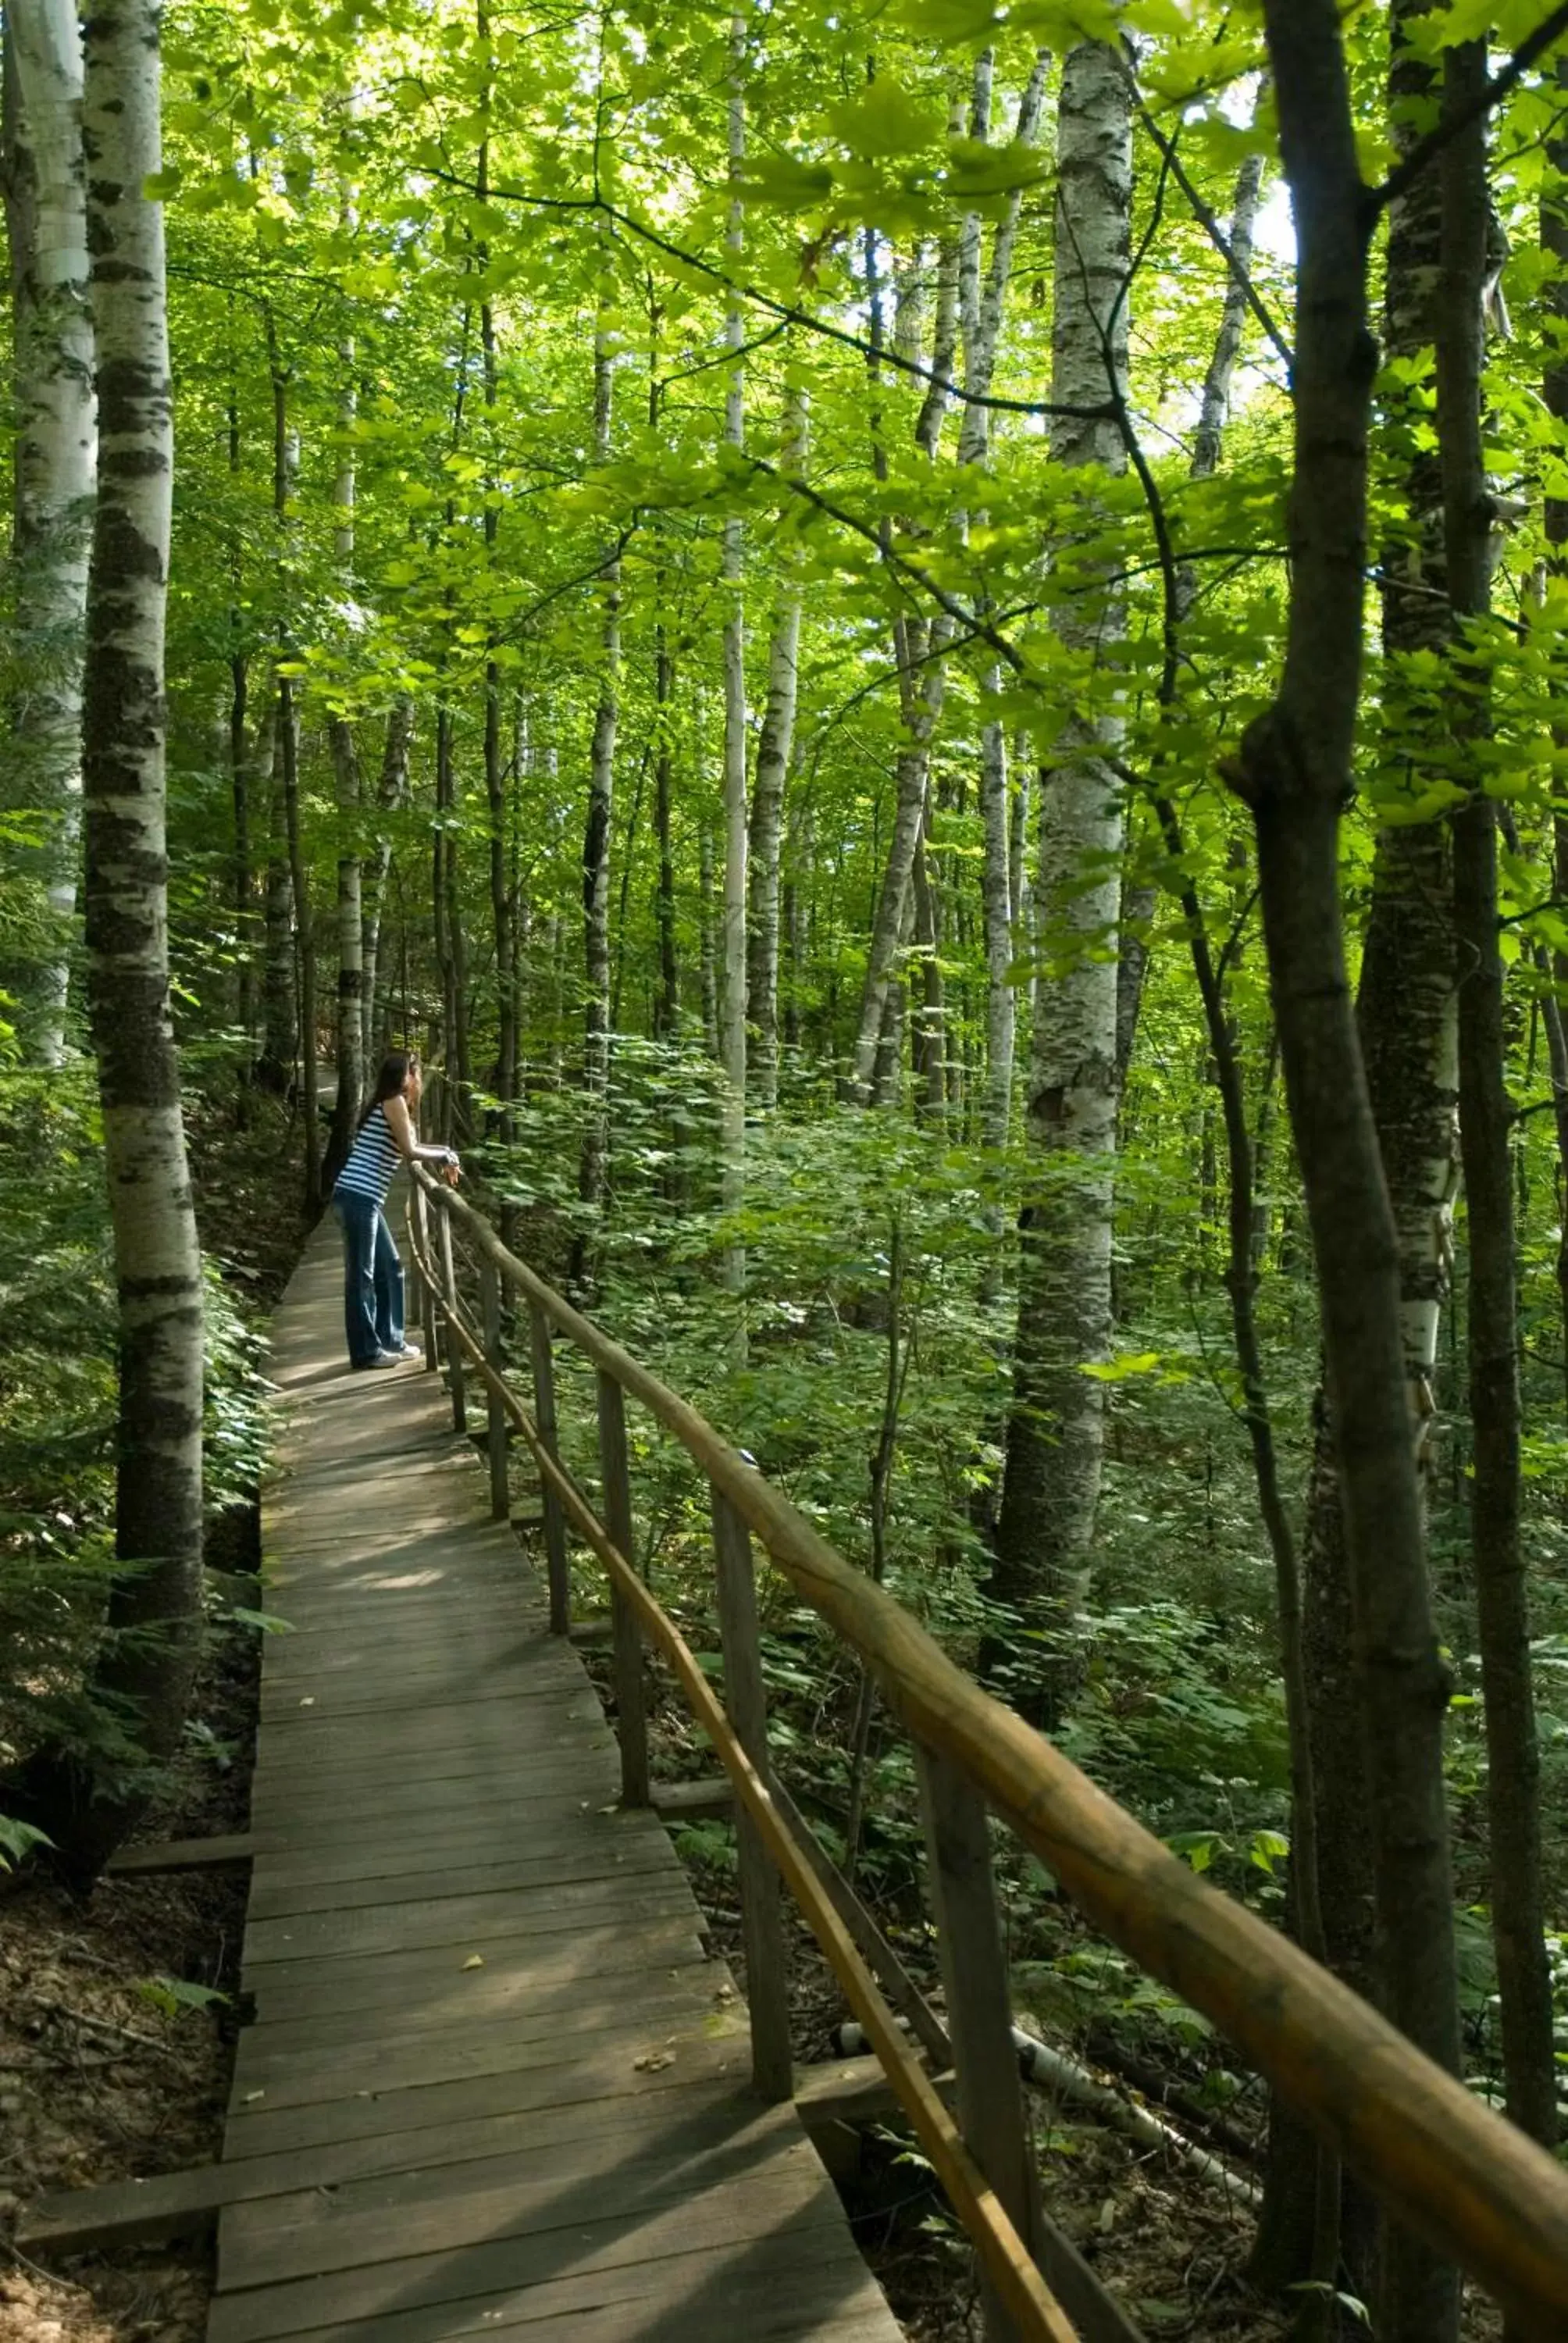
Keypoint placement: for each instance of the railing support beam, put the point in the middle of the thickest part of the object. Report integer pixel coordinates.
(630, 1707)
(427, 1299)
(979, 2003)
(454, 1349)
(495, 1410)
(761, 1910)
(557, 1566)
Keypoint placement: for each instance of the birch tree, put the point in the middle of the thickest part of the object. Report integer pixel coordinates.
(1056, 1428)
(154, 1610)
(55, 459)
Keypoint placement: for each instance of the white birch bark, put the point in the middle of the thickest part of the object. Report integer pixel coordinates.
(159, 1515)
(1056, 1432)
(56, 456)
(732, 989)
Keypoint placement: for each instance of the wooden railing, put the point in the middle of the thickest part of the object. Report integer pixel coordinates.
(1437, 2159)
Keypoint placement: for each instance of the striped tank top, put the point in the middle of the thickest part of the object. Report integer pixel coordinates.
(372, 1160)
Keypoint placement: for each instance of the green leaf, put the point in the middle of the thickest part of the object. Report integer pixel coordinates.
(887, 119)
(171, 1995)
(18, 1839)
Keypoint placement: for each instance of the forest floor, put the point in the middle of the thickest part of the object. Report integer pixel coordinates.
(100, 2079)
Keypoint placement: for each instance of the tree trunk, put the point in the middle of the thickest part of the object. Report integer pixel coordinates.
(305, 939)
(451, 954)
(155, 1613)
(1056, 1427)
(774, 747)
(1295, 771)
(56, 452)
(350, 1031)
(1485, 1122)
(1405, 1018)
(279, 1018)
(391, 794)
(594, 1158)
(732, 989)
(931, 1010)
(917, 646)
(706, 943)
(667, 998)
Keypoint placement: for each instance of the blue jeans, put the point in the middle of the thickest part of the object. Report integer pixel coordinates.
(372, 1279)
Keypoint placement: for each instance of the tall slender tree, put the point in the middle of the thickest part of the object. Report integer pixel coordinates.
(56, 451)
(1056, 1428)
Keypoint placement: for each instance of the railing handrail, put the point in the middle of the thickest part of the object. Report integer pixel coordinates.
(1437, 2158)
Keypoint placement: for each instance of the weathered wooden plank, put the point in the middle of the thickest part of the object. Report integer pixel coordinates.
(774, 2201)
(797, 2282)
(127, 2212)
(548, 2191)
(466, 1920)
(436, 1973)
(390, 2059)
(627, 1962)
(489, 1841)
(629, 2069)
(557, 1819)
(228, 1851)
(437, 2152)
(274, 1898)
(304, 1792)
(439, 1788)
(352, 2178)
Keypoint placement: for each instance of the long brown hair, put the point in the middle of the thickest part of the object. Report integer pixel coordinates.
(390, 1082)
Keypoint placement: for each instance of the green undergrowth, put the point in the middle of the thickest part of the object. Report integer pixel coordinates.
(873, 1266)
(57, 1392)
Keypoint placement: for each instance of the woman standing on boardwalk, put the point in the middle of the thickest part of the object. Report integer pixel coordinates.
(372, 1271)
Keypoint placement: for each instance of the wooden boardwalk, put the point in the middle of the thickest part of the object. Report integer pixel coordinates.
(493, 2082)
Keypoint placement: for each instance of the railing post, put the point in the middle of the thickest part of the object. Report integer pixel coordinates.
(427, 1299)
(631, 1713)
(495, 1413)
(560, 1575)
(761, 1914)
(454, 1349)
(978, 2003)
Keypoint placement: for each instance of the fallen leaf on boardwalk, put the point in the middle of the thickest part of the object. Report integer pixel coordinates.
(251, 2096)
(610, 1810)
(475, 1961)
(309, 1701)
(653, 2062)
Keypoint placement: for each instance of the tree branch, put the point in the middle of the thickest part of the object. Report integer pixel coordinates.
(1491, 93)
